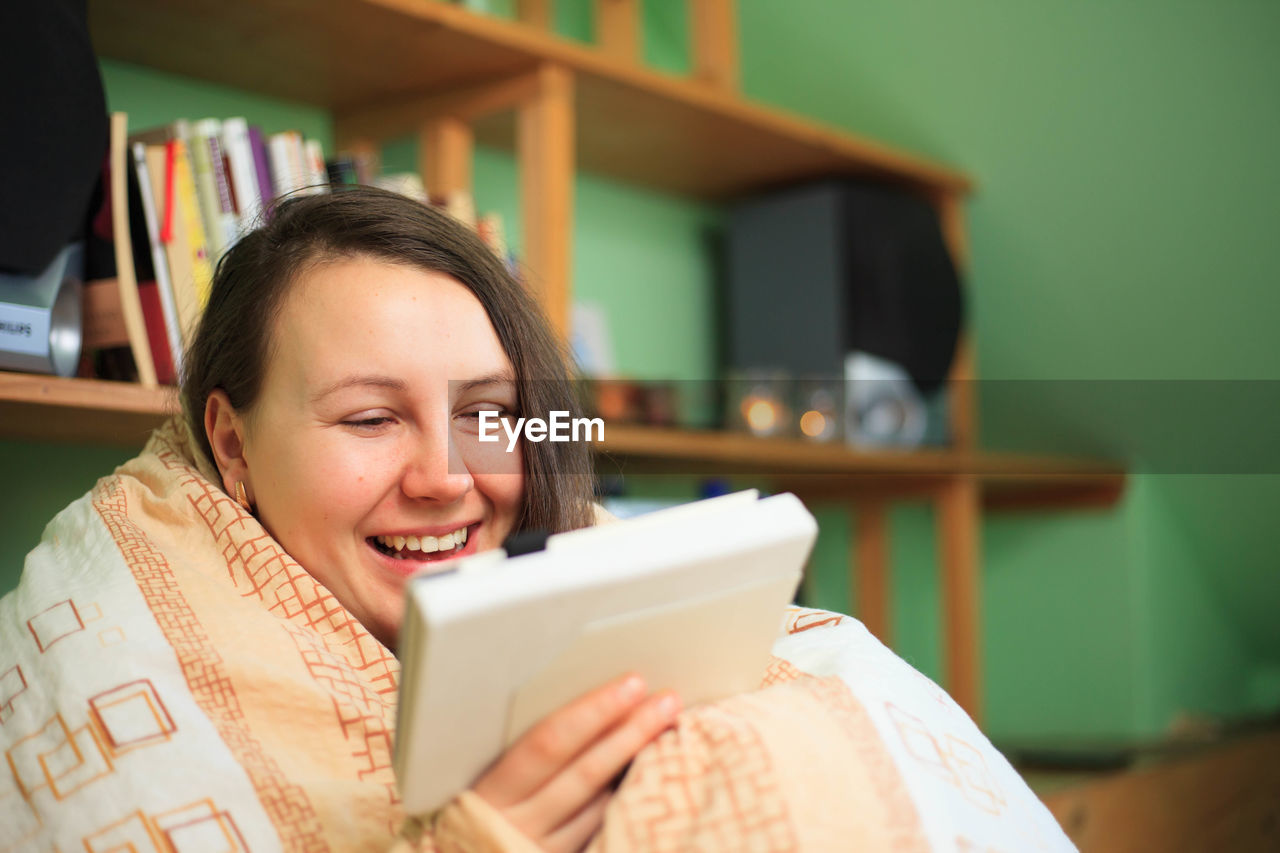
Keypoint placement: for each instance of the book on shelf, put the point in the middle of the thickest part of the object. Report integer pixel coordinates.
(186, 207)
(213, 191)
(243, 171)
(690, 598)
(180, 234)
(261, 164)
(153, 313)
(165, 300)
(157, 334)
(288, 162)
(193, 189)
(313, 160)
(181, 224)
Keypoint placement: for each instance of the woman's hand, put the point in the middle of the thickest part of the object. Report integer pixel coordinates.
(554, 783)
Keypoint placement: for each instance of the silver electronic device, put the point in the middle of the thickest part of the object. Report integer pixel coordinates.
(40, 316)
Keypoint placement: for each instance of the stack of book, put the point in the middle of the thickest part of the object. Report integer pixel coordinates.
(178, 197)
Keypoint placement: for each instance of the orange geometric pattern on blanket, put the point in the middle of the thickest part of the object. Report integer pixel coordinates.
(897, 809)
(800, 765)
(55, 623)
(358, 673)
(709, 780)
(195, 826)
(800, 619)
(362, 713)
(285, 804)
(258, 568)
(778, 671)
(13, 683)
(130, 716)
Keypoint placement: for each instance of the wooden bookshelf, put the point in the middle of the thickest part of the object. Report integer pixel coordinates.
(387, 69)
(381, 65)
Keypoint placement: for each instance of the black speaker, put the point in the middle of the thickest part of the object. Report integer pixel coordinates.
(52, 151)
(821, 271)
(827, 278)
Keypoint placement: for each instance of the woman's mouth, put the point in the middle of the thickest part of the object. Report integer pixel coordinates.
(423, 549)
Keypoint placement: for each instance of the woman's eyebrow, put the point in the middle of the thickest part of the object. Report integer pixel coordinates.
(501, 377)
(369, 381)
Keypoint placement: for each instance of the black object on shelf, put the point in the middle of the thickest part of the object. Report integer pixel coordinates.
(821, 271)
(55, 138)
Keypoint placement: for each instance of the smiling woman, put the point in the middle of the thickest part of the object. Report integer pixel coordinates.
(249, 567)
(201, 650)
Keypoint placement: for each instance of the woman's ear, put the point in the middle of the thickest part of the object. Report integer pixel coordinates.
(225, 428)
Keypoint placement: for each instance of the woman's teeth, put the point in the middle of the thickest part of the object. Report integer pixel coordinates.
(425, 544)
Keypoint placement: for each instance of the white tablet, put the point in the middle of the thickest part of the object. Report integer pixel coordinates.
(691, 598)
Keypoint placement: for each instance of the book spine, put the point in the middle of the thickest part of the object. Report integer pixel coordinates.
(159, 260)
(261, 163)
(317, 177)
(244, 175)
(297, 159)
(157, 336)
(228, 221)
(281, 169)
(160, 160)
(189, 207)
(206, 189)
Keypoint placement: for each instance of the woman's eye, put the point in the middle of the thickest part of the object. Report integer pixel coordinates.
(368, 424)
(489, 418)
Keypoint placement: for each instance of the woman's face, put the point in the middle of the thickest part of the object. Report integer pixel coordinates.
(361, 453)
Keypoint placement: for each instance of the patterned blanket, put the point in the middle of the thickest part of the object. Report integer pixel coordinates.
(171, 680)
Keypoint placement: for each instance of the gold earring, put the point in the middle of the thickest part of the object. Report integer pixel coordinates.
(242, 498)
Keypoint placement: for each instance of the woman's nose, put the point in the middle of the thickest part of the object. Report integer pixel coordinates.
(437, 471)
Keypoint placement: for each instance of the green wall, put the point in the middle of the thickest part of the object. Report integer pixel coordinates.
(1121, 229)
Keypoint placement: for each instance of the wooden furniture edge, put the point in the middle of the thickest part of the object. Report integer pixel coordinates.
(1221, 797)
(35, 407)
(541, 46)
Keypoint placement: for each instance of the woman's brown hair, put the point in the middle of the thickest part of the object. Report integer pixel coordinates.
(232, 344)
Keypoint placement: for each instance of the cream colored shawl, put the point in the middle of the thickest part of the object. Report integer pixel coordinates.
(171, 680)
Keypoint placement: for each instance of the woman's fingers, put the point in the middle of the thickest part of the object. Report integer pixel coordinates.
(574, 833)
(548, 747)
(592, 772)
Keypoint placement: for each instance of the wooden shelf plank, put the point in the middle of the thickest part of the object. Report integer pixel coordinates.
(46, 408)
(635, 124)
(90, 411)
(1008, 481)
